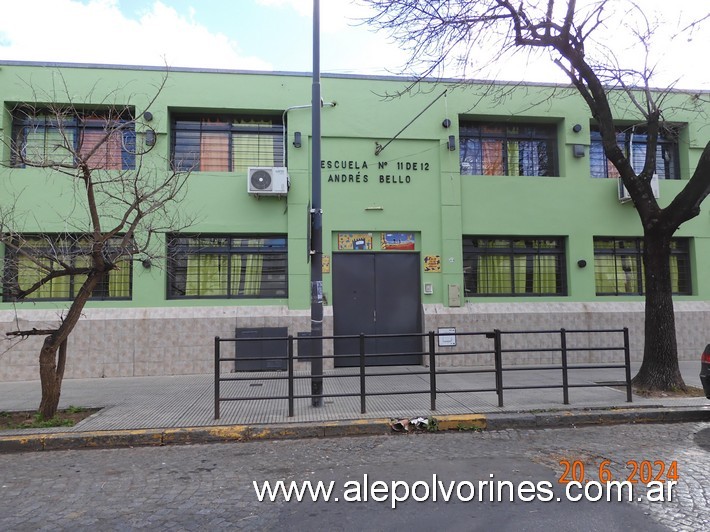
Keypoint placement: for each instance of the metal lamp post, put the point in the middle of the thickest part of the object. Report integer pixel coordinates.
(316, 224)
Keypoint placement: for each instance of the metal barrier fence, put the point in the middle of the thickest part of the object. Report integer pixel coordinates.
(430, 356)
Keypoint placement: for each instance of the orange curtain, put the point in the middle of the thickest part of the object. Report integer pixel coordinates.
(108, 155)
(611, 169)
(492, 157)
(214, 149)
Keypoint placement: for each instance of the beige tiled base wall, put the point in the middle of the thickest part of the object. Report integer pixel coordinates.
(180, 341)
(692, 327)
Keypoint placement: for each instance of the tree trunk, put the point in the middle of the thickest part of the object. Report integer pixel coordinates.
(659, 369)
(53, 355)
(52, 358)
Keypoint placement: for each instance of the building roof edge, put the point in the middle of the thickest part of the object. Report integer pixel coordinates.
(331, 75)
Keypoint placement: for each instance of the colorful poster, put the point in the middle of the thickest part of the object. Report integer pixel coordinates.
(354, 241)
(325, 264)
(401, 241)
(432, 263)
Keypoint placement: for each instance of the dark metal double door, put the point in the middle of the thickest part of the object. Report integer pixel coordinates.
(377, 293)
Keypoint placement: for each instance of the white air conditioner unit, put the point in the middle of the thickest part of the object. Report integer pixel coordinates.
(624, 195)
(268, 181)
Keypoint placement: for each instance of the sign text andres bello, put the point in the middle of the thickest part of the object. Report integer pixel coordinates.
(352, 171)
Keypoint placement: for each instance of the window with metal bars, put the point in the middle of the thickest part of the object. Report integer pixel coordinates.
(226, 143)
(508, 149)
(30, 259)
(618, 266)
(633, 141)
(512, 266)
(45, 138)
(224, 266)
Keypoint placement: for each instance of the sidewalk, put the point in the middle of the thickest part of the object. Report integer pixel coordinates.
(160, 410)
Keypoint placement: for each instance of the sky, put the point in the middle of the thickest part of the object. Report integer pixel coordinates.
(233, 34)
(273, 35)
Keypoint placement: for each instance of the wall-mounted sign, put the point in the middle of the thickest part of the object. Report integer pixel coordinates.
(397, 241)
(447, 336)
(432, 264)
(354, 241)
(361, 171)
(325, 263)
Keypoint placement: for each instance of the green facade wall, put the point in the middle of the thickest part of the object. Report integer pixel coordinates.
(363, 192)
(438, 204)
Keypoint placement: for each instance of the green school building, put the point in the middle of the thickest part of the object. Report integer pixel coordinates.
(473, 206)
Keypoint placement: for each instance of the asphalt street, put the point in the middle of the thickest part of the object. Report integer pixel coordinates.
(203, 487)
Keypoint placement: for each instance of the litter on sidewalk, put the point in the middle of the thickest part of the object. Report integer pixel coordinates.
(407, 425)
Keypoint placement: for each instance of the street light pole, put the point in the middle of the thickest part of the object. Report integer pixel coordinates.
(316, 224)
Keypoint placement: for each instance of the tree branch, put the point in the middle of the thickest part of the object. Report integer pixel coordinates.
(31, 332)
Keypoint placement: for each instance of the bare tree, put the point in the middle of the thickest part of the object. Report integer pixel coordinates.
(478, 32)
(118, 201)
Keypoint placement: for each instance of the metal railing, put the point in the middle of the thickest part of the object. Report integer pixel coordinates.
(430, 356)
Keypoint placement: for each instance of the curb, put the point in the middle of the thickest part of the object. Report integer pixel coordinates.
(612, 416)
(111, 439)
(366, 427)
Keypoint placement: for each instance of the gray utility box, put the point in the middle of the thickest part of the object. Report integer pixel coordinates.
(261, 349)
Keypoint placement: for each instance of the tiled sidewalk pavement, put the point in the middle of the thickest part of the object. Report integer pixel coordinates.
(188, 401)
